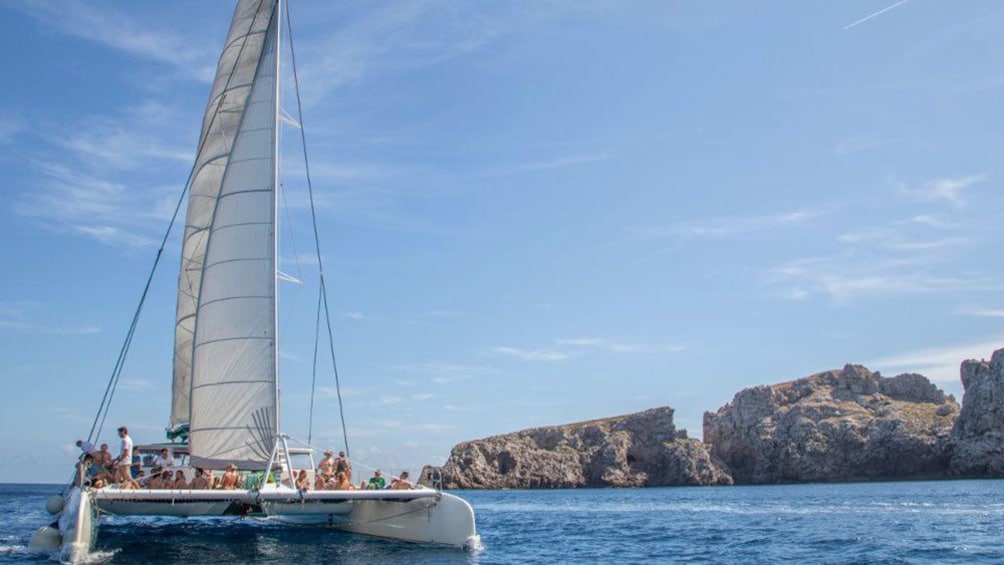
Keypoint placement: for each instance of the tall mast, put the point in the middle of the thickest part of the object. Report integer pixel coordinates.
(275, 222)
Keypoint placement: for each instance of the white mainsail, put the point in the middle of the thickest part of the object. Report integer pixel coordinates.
(234, 76)
(233, 401)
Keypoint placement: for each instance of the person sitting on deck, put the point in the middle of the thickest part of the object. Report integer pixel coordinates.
(141, 478)
(342, 464)
(402, 482)
(127, 483)
(179, 480)
(376, 481)
(319, 483)
(155, 481)
(302, 480)
(164, 461)
(342, 482)
(230, 478)
(88, 473)
(103, 458)
(327, 465)
(201, 480)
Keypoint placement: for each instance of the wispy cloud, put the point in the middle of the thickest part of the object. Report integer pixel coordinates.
(390, 39)
(875, 14)
(549, 355)
(849, 276)
(103, 25)
(556, 163)
(8, 129)
(979, 312)
(948, 189)
(76, 202)
(25, 327)
(108, 144)
(938, 364)
(353, 315)
(920, 233)
(442, 373)
(135, 385)
(619, 346)
(728, 228)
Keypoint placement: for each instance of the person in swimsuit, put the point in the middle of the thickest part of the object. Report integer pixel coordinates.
(402, 482)
(327, 465)
(302, 480)
(230, 478)
(179, 480)
(342, 482)
(342, 464)
(200, 482)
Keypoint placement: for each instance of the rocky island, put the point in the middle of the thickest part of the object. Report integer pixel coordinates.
(841, 425)
(641, 449)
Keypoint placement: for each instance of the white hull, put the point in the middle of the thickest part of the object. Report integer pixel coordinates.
(78, 526)
(420, 515)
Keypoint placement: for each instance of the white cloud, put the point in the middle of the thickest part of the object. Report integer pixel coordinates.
(726, 228)
(443, 373)
(25, 327)
(938, 364)
(949, 189)
(619, 346)
(548, 355)
(979, 312)
(100, 24)
(851, 276)
(135, 385)
(353, 315)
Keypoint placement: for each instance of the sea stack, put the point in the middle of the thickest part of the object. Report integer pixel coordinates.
(841, 425)
(978, 437)
(640, 449)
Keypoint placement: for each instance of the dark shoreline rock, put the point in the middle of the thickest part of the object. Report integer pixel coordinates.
(847, 425)
(978, 436)
(640, 449)
(844, 425)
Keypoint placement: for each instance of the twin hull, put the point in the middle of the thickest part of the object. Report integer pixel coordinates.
(421, 515)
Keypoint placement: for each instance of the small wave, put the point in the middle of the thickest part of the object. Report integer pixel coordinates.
(13, 548)
(92, 557)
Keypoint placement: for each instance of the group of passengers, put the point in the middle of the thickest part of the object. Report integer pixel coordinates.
(335, 473)
(99, 468)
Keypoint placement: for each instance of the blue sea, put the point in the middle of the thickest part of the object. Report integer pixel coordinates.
(906, 522)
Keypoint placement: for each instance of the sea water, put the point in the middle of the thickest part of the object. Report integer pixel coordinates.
(906, 522)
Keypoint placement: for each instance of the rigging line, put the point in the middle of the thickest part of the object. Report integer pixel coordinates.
(313, 375)
(289, 227)
(109, 393)
(313, 217)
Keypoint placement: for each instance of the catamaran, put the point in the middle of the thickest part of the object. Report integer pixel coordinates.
(225, 410)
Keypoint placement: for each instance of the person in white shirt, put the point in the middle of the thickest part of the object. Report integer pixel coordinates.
(164, 463)
(86, 447)
(124, 460)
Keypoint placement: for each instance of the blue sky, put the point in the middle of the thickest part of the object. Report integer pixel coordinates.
(531, 213)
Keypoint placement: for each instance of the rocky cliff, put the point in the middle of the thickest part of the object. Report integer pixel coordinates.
(978, 437)
(641, 449)
(844, 425)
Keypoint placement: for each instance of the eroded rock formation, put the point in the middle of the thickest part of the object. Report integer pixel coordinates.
(641, 449)
(843, 425)
(978, 437)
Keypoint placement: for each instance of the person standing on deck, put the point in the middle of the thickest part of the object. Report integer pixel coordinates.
(327, 465)
(124, 460)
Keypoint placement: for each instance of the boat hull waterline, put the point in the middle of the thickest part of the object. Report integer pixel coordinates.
(419, 515)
